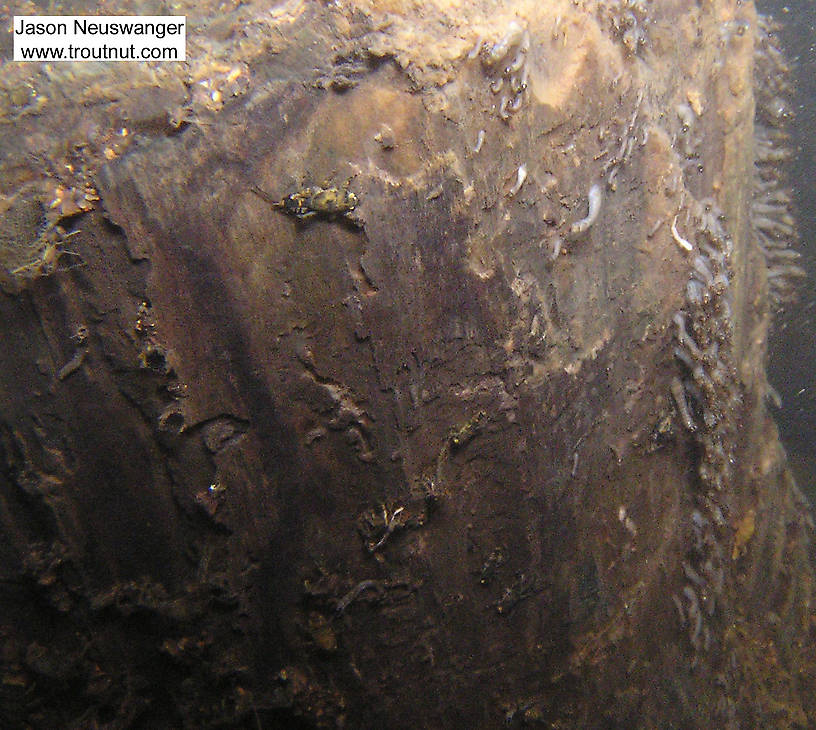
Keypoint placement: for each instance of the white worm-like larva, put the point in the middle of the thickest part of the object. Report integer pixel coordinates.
(773, 226)
(655, 228)
(719, 285)
(630, 145)
(716, 515)
(695, 616)
(784, 270)
(682, 242)
(773, 396)
(692, 574)
(684, 358)
(772, 208)
(786, 254)
(696, 293)
(702, 380)
(557, 244)
(480, 138)
(610, 181)
(709, 418)
(520, 178)
(517, 64)
(776, 195)
(500, 49)
(714, 255)
(680, 610)
(703, 271)
(685, 339)
(519, 83)
(694, 393)
(354, 593)
(503, 113)
(679, 395)
(595, 200)
(686, 116)
(475, 50)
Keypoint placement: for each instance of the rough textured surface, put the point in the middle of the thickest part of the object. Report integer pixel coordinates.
(418, 465)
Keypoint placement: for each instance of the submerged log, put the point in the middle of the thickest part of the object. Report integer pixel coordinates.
(465, 429)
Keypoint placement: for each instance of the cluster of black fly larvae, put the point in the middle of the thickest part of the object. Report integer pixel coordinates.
(772, 221)
(627, 20)
(704, 576)
(707, 399)
(505, 62)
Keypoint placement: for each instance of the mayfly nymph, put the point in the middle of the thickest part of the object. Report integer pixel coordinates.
(313, 201)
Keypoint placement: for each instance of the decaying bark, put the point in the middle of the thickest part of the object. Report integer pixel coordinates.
(443, 458)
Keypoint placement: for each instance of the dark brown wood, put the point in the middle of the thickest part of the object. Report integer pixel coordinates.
(408, 465)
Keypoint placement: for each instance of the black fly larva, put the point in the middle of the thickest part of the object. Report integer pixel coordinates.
(696, 293)
(683, 410)
(595, 199)
(702, 271)
(521, 176)
(480, 138)
(506, 61)
(492, 54)
(707, 402)
(773, 224)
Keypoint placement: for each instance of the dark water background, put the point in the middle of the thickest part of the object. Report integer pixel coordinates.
(792, 351)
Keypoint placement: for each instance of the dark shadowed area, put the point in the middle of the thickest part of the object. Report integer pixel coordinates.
(403, 365)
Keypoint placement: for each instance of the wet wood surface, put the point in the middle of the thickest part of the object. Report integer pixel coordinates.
(415, 463)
